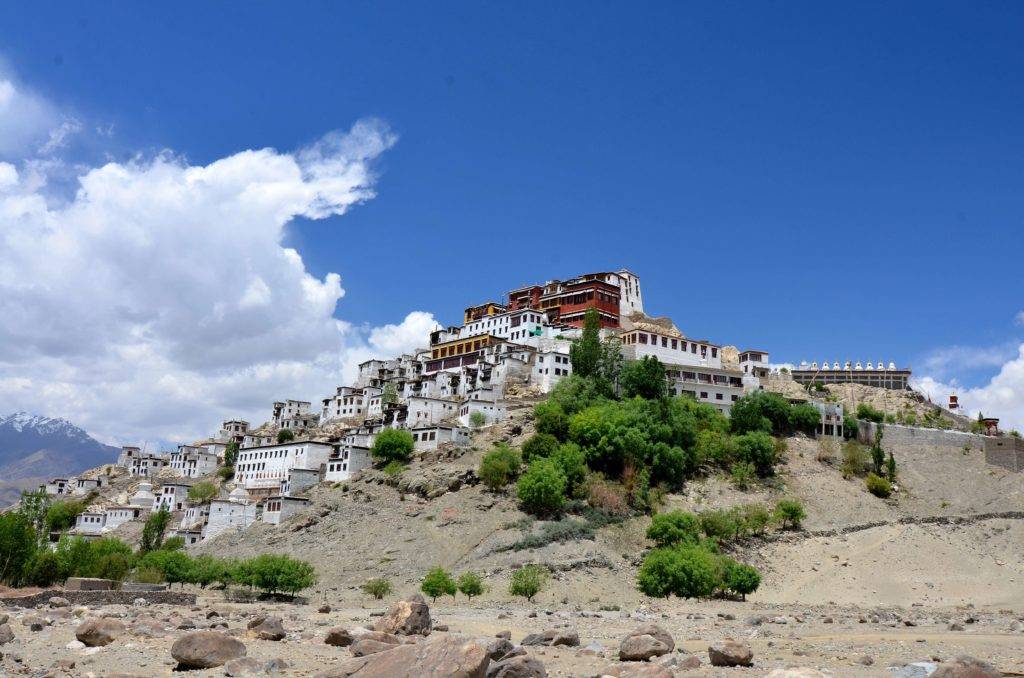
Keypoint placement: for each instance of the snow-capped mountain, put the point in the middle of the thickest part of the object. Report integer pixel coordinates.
(35, 448)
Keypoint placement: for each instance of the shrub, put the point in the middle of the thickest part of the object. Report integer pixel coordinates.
(173, 544)
(539, 445)
(550, 418)
(392, 444)
(716, 447)
(756, 518)
(718, 525)
(758, 449)
(740, 578)
(569, 458)
(394, 468)
(761, 411)
(499, 466)
(805, 418)
(878, 486)
(202, 492)
(18, 541)
(606, 496)
(226, 473)
(742, 474)
(61, 515)
(176, 566)
(890, 468)
(148, 575)
(272, 573)
(850, 426)
(687, 572)
(378, 587)
(528, 581)
(477, 419)
(438, 582)
(790, 512)
(470, 584)
(566, 529)
(285, 435)
(869, 413)
(230, 453)
(674, 528)
(541, 489)
(644, 378)
(855, 459)
(827, 450)
(44, 570)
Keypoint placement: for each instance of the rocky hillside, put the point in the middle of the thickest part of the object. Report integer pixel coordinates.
(35, 448)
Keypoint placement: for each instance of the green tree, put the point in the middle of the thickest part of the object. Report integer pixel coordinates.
(644, 378)
(687, 572)
(285, 435)
(470, 584)
(438, 582)
(877, 453)
(573, 464)
(499, 466)
(44, 570)
(850, 426)
(550, 418)
(176, 566)
(541, 489)
(742, 474)
(715, 447)
(869, 413)
(585, 352)
(761, 411)
(207, 570)
(273, 573)
(528, 581)
(18, 543)
(740, 578)
(757, 518)
(539, 445)
(674, 528)
(202, 492)
(153, 530)
(575, 393)
(378, 587)
(805, 418)
(718, 525)
(878, 486)
(388, 395)
(757, 448)
(231, 453)
(790, 512)
(610, 364)
(61, 515)
(890, 468)
(392, 444)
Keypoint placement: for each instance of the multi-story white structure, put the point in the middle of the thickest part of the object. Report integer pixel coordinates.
(429, 437)
(128, 452)
(257, 440)
(191, 461)
(298, 480)
(261, 469)
(294, 414)
(423, 411)
(119, 514)
(347, 460)
(90, 523)
(56, 487)
(147, 464)
(754, 363)
(172, 497)
(348, 401)
(237, 511)
(233, 430)
(491, 410)
(278, 509)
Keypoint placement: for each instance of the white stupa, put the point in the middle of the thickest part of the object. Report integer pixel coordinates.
(143, 497)
(239, 494)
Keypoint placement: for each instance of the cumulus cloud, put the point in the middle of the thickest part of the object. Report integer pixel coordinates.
(25, 117)
(1002, 396)
(160, 299)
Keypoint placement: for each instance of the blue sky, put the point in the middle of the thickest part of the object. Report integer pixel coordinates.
(816, 180)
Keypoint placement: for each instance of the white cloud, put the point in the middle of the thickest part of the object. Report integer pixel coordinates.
(1019, 318)
(1002, 396)
(940, 363)
(159, 298)
(25, 117)
(59, 135)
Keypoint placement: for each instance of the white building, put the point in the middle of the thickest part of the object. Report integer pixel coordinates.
(348, 401)
(128, 452)
(423, 411)
(257, 440)
(346, 461)
(754, 363)
(238, 511)
(263, 468)
(143, 497)
(147, 464)
(233, 429)
(294, 415)
(120, 514)
(492, 411)
(90, 523)
(278, 509)
(56, 487)
(172, 497)
(429, 437)
(298, 480)
(191, 461)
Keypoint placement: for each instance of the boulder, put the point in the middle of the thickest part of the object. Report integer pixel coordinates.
(35, 623)
(656, 631)
(206, 649)
(406, 617)
(637, 671)
(522, 666)
(324, 609)
(6, 634)
(730, 652)
(449, 656)
(797, 672)
(147, 628)
(244, 666)
(553, 637)
(498, 648)
(640, 648)
(266, 628)
(338, 636)
(966, 667)
(58, 601)
(97, 632)
(366, 646)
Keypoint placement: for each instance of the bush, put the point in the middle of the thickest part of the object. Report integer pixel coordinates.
(606, 496)
(687, 572)
(644, 378)
(869, 413)
(716, 447)
(758, 449)
(541, 490)
(539, 445)
(550, 418)
(392, 444)
(273, 574)
(61, 515)
(528, 581)
(148, 575)
(805, 418)
(850, 426)
(674, 528)
(176, 566)
(569, 458)
(499, 467)
(44, 570)
(438, 582)
(742, 474)
(470, 584)
(878, 486)
(718, 525)
(756, 518)
(828, 449)
(790, 512)
(393, 468)
(173, 544)
(855, 459)
(202, 492)
(477, 419)
(378, 587)
(741, 579)
(556, 531)
(226, 473)
(761, 411)
(285, 435)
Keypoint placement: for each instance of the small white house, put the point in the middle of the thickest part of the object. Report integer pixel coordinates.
(299, 479)
(147, 465)
(86, 485)
(347, 460)
(492, 411)
(120, 514)
(56, 487)
(238, 511)
(278, 509)
(429, 437)
(90, 522)
(172, 497)
(193, 461)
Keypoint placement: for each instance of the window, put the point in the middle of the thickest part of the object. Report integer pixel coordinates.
(675, 343)
(703, 394)
(718, 396)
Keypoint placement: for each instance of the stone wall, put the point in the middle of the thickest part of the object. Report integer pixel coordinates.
(1006, 453)
(103, 598)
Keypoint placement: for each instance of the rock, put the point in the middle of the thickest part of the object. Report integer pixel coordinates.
(503, 634)
(338, 636)
(730, 652)
(956, 626)
(324, 609)
(4, 617)
(916, 670)
(440, 627)
(35, 623)
(641, 648)
(637, 671)
(147, 628)
(58, 601)
(406, 617)
(864, 660)
(64, 664)
(99, 632)
(553, 637)
(266, 628)
(75, 645)
(244, 666)
(206, 649)
(689, 661)
(966, 667)
(6, 634)
(522, 666)
(445, 655)
(798, 672)
(366, 646)
(593, 649)
(498, 648)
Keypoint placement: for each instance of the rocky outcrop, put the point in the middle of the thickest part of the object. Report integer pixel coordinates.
(730, 652)
(206, 649)
(99, 632)
(446, 655)
(406, 617)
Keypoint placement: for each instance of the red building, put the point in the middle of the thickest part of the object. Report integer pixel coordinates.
(567, 301)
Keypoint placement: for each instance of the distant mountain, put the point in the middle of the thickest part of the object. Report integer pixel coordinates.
(34, 449)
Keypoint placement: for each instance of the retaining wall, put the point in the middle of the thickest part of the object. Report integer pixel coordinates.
(102, 598)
